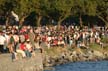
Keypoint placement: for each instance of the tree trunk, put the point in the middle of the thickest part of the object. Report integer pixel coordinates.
(80, 21)
(61, 20)
(21, 21)
(107, 17)
(39, 21)
(106, 22)
(59, 23)
(7, 21)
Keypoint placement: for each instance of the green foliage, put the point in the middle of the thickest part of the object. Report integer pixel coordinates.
(105, 40)
(80, 6)
(91, 6)
(22, 7)
(95, 46)
(53, 51)
(64, 7)
(59, 9)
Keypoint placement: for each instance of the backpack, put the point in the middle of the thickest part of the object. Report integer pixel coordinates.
(12, 40)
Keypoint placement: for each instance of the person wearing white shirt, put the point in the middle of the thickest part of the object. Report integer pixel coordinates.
(2, 42)
(15, 16)
(6, 43)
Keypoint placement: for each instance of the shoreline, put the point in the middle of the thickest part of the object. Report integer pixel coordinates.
(57, 56)
(77, 55)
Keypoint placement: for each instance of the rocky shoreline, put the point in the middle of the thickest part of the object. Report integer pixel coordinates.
(52, 57)
(74, 55)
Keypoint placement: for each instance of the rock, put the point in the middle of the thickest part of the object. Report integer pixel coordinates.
(49, 68)
(98, 53)
(74, 56)
(105, 55)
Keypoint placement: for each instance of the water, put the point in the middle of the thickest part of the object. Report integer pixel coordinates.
(83, 66)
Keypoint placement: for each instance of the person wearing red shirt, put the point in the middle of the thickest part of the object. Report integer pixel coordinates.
(21, 49)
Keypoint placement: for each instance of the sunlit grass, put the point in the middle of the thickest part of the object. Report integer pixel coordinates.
(95, 46)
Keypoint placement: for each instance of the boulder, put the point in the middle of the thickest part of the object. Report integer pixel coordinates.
(98, 53)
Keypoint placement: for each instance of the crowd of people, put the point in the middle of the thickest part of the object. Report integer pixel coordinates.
(27, 39)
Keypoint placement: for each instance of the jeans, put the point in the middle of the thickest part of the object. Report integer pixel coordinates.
(13, 56)
(28, 53)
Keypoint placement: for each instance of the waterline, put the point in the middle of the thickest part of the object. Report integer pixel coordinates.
(83, 66)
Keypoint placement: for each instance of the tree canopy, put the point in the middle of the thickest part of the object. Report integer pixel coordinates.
(56, 9)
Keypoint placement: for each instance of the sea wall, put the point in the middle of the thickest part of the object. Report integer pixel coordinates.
(25, 64)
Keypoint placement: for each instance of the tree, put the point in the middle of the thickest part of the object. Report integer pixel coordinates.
(56, 9)
(80, 10)
(2, 2)
(41, 9)
(64, 9)
(102, 10)
(97, 8)
(5, 7)
(23, 9)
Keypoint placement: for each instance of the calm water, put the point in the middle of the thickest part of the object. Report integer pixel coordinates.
(83, 66)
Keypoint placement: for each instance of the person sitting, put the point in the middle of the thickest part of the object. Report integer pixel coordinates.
(37, 45)
(29, 49)
(20, 48)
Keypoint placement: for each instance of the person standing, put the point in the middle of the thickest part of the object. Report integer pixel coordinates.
(2, 42)
(31, 37)
(16, 18)
(11, 47)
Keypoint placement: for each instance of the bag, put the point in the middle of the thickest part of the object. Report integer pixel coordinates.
(11, 40)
